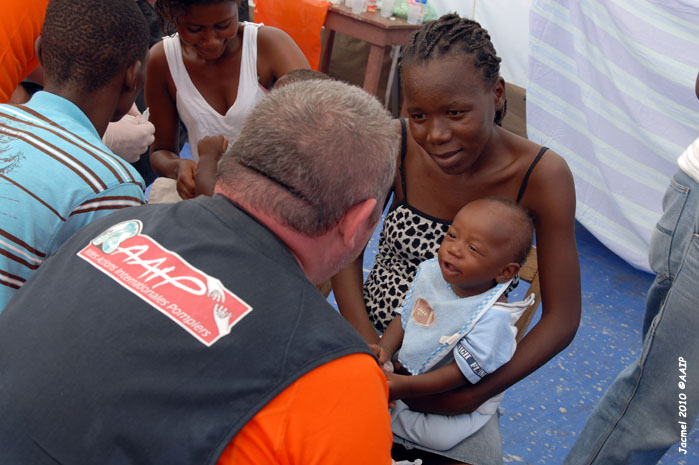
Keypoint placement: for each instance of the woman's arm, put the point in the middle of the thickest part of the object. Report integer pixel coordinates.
(277, 54)
(392, 338)
(347, 287)
(348, 284)
(160, 98)
(551, 199)
(163, 115)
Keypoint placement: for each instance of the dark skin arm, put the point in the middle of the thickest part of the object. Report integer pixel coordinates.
(403, 386)
(347, 284)
(160, 98)
(551, 199)
(210, 150)
(347, 288)
(433, 382)
(277, 55)
(390, 341)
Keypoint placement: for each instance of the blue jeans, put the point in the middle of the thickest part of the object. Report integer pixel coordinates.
(650, 406)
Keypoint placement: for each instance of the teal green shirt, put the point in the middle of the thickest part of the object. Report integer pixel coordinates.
(56, 176)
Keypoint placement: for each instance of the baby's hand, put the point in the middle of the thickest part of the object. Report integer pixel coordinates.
(212, 146)
(400, 369)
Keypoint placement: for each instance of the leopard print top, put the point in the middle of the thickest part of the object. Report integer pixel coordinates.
(408, 238)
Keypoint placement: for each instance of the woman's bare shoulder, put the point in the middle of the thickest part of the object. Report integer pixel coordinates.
(551, 190)
(156, 57)
(552, 164)
(158, 78)
(272, 38)
(277, 54)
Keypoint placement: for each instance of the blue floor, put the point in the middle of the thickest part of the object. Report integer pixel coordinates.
(542, 414)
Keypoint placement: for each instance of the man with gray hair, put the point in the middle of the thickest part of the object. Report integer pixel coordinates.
(192, 332)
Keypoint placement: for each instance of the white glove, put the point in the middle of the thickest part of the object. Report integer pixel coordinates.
(129, 137)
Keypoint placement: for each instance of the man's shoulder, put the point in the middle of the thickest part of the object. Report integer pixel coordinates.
(360, 367)
(69, 143)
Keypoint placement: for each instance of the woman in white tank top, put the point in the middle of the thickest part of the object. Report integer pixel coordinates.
(210, 74)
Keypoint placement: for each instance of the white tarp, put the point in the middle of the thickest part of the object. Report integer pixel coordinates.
(507, 22)
(611, 89)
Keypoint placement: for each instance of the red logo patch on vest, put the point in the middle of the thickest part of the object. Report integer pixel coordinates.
(197, 302)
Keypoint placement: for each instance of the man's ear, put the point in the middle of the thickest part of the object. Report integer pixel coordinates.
(131, 75)
(351, 222)
(37, 50)
(507, 272)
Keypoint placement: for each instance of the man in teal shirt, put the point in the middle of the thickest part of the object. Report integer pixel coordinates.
(56, 175)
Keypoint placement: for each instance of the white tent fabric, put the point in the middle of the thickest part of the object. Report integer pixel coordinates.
(507, 22)
(611, 89)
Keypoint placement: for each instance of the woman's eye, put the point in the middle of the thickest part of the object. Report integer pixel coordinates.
(193, 30)
(223, 26)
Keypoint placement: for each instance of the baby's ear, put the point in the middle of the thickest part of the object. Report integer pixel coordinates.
(507, 272)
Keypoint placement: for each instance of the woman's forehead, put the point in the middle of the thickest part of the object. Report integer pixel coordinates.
(449, 80)
(209, 12)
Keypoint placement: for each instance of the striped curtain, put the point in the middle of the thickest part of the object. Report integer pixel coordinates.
(611, 89)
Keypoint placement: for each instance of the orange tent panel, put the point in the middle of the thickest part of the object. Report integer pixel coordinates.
(301, 19)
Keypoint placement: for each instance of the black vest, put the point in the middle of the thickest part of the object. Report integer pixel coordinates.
(92, 374)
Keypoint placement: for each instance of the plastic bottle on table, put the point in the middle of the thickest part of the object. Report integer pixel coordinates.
(416, 11)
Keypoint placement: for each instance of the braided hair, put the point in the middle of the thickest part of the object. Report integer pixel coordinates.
(452, 35)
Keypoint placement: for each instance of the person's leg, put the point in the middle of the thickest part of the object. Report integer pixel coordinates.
(650, 404)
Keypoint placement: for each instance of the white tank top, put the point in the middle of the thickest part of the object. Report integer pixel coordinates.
(689, 160)
(195, 112)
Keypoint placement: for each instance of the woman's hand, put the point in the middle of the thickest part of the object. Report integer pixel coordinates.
(381, 354)
(186, 173)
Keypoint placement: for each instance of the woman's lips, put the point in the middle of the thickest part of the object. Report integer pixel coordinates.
(445, 156)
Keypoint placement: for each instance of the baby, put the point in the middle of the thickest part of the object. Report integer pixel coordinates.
(456, 326)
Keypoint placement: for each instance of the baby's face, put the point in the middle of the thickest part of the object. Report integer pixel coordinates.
(475, 249)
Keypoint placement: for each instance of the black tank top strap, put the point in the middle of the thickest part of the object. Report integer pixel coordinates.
(523, 187)
(403, 151)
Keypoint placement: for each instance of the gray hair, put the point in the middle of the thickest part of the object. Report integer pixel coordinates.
(309, 152)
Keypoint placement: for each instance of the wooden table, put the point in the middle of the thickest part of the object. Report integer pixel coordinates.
(370, 27)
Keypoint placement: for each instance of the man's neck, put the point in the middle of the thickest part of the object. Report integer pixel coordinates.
(308, 251)
(96, 105)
